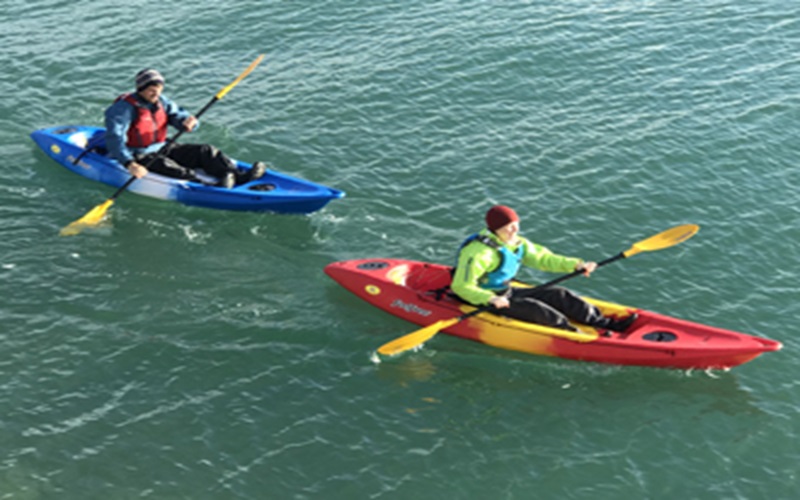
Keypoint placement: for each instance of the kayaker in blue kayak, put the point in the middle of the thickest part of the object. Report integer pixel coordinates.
(491, 258)
(136, 128)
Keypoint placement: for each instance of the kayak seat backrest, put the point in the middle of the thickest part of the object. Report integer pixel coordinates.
(427, 278)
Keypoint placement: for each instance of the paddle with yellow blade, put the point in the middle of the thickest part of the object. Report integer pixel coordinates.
(666, 239)
(94, 216)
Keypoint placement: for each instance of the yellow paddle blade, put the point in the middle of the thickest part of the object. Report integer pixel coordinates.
(241, 77)
(666, 239)
(92, 218)
(415, 339)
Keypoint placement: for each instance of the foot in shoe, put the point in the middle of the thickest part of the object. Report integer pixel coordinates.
(228, 181)
(258, 170)
(620, 325)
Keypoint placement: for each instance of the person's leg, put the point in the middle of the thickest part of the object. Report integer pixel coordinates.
(166, 166)
(204, 156)
(535, 311)
(573, 307)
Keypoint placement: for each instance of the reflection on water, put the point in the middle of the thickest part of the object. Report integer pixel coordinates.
(466, 364)
(404, 369)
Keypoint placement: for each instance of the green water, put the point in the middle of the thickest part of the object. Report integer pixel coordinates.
(192, 353)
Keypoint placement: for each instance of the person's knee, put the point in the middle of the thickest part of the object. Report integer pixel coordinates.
(210, 151)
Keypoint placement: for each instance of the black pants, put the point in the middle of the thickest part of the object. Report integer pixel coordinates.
(182, 159)
(552, 306)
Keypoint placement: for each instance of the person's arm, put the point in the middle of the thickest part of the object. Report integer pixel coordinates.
(177, 116)
(118, 118)
(540, 257)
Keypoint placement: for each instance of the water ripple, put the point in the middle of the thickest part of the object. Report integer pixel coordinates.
(183, 352)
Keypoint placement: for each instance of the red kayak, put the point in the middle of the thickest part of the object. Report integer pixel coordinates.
(413, 290)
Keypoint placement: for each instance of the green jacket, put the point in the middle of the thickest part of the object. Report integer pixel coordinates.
(477, 259)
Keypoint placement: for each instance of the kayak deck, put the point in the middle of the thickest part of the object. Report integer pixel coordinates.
(274, 192)
(412, 290)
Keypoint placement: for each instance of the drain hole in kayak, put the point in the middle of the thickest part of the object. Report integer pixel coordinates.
(660, 336)
(263, 187)
(371, 266)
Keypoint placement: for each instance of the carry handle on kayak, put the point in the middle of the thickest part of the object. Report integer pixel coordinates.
(661, 240)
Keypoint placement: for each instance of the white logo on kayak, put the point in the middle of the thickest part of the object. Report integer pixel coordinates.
(80, 163)
(412, 308)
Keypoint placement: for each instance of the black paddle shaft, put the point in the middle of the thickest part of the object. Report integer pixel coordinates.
(609, 260)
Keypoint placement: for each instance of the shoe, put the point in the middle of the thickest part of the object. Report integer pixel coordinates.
(620, 325)
(258, 171)
(228, 181)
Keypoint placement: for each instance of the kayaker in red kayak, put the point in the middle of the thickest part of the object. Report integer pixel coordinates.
(136, 128)
(490, 259)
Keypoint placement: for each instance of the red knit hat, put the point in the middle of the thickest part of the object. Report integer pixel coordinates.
(500, 215)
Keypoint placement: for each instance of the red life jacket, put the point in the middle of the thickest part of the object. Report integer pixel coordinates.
(149, 126)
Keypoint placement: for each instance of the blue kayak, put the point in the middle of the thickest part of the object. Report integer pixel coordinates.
(274, 192)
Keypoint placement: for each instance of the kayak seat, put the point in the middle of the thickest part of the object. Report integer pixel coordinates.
(431, 279)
